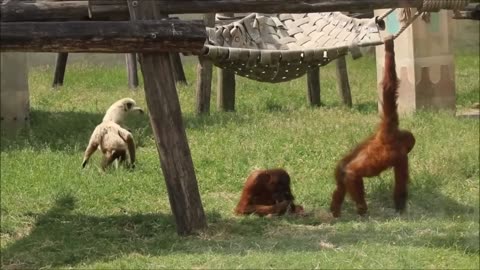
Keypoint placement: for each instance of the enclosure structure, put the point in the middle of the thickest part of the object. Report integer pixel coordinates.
(65, 26)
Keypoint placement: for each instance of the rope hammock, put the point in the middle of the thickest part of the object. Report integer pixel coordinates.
(282, 47)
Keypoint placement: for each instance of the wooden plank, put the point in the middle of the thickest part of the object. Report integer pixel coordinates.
(102, 36)
(313, 89)
(168, 129)
(132, 71)
(60, 66)
(343, 85)
(78, 10)
(204, 76)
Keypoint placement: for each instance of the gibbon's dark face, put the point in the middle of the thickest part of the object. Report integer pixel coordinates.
(131, 106)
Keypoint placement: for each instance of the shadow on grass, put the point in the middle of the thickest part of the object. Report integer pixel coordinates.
(65, 131)
(62, 238)
(425, 199)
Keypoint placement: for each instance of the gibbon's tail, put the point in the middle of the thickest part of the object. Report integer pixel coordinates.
(390, 87)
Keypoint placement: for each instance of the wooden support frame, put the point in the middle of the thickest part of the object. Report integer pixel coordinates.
(204, 75)
(60, 66)
(313, 87)
(117, 9)
(168, 129)
(169, 35)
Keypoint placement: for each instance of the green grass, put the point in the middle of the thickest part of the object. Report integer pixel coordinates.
(55, 215)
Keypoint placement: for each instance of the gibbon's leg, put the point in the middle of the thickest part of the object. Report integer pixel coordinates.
(339, 194)
(108, 158)
(356, 191)
(128, 138)
(91, 148)
(400, 192)
(122, 156)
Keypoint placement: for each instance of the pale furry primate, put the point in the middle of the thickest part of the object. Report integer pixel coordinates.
(111, 138)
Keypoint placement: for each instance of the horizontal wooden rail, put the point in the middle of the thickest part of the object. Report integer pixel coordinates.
(118, 10)
(107, 37)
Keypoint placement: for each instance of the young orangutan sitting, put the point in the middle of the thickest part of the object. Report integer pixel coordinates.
(267, 192)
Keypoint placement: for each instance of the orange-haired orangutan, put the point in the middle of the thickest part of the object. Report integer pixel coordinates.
(388, 147)
(267, 192)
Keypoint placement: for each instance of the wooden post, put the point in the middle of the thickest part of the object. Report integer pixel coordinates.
(313, 90)
(168, 129)
(343, 85)
(204, 75)
(424, 55)
(177, 68)
(226, 85)
(60, 66)
(225, 90)
(14, 95)
(132, 74)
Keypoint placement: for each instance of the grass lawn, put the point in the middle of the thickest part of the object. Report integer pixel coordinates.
(56, 215)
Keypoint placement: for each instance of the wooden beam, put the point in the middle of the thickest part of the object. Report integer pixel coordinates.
(107, 37)
(313, 89)
(168, 129)
(204, 76)
(13, 11)
(78, 10)
(60, 66)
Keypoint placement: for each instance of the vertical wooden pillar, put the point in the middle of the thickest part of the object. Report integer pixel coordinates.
(313, 90)
(425, 62)
(226, 86)
(168, 129)
(14, 95)
(60, 66)
(132, 74)
(343, 85)
(177, 68)
(204, 75)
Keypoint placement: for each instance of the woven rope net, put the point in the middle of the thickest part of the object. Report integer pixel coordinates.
(282, 47)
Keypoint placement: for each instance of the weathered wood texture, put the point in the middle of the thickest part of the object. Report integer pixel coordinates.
(102, 9)
(168, 129)
(204, 76)
(313, 89)
(132, 70)
(60, 66)
(342, 81)
(109, 37)
(44, 11)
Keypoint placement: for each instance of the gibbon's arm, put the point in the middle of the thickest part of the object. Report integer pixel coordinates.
(128, 138)
(390, 87)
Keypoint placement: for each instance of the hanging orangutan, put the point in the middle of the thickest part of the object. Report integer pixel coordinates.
(387, 147)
